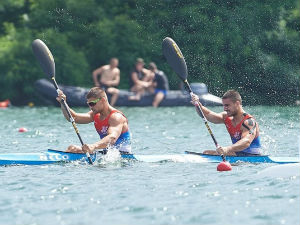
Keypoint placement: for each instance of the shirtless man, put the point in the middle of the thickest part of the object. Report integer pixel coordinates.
(242, 127)
(109, 79)
(140, 80)
(110, 123)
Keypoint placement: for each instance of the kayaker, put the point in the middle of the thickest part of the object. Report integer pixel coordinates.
(160, 84)
(109, 79)
(242, 127)
(110, 123)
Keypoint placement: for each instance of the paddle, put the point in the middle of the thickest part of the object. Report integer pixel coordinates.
(46, 60)
(176, 60)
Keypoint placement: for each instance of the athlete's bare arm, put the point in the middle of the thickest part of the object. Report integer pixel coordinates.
(78, 117)
(211, 116)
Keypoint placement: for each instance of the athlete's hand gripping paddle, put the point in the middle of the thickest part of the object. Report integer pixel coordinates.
(177, 62)
(46, 60)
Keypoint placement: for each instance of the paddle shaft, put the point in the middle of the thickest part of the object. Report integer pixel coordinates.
(71, 118)
(176, 60)
(186, 83)
(46, 60)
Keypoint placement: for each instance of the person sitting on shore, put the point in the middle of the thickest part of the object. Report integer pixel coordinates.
(140, 80)
(109, 79)
(160, 83)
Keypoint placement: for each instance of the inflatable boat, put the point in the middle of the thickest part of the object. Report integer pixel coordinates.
(76, 96)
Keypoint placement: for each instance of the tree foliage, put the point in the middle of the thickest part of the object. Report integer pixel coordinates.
(251, 46)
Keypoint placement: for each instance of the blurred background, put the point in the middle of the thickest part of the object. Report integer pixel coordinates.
(251, 46)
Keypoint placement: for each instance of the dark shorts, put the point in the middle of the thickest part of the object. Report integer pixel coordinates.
(104, 87)
(160, 90)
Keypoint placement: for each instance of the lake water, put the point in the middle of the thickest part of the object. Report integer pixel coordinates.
(147, 193)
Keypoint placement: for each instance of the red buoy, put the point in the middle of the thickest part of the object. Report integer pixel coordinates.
(224, 166)
(22, 129)
(4, 104)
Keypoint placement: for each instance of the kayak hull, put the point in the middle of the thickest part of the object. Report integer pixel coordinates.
(249, 159)
(51, 156)
(54, 156)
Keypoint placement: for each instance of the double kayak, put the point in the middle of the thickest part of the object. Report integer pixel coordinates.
(55, 156)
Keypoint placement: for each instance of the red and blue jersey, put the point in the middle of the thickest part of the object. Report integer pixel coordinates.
(236, 134)
(123, 143)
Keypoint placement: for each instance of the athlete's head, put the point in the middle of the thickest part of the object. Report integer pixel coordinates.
(114, 62)
(232, 102)
(96, 99)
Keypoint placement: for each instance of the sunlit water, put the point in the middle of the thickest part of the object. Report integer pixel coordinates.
(147, 193)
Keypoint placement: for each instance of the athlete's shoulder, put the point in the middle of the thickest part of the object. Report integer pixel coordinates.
(250, 122)
(117, 116)
(225, 116)
(93, 115)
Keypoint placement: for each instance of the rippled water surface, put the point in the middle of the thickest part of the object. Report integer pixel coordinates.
(148, 193)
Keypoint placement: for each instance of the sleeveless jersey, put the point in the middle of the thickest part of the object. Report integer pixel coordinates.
(123, 143)
(236, 134)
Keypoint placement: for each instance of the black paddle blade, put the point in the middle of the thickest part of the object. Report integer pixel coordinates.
(174, 57)
(44, 56)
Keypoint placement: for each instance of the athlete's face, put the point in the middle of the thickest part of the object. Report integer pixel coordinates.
(230, 107)
(96, 104)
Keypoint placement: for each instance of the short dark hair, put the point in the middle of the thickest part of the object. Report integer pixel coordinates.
(95, 92)
(233, 95)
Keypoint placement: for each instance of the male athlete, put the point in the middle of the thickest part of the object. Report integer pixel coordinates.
(242, 127)
(109, 79)
(110, 123)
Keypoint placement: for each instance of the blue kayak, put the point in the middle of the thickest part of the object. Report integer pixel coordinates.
(249, 159)
(55, 156)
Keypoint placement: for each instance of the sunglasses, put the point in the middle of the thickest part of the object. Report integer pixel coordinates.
(94, 102)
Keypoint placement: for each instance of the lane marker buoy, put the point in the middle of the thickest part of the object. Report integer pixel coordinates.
(23, 129)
